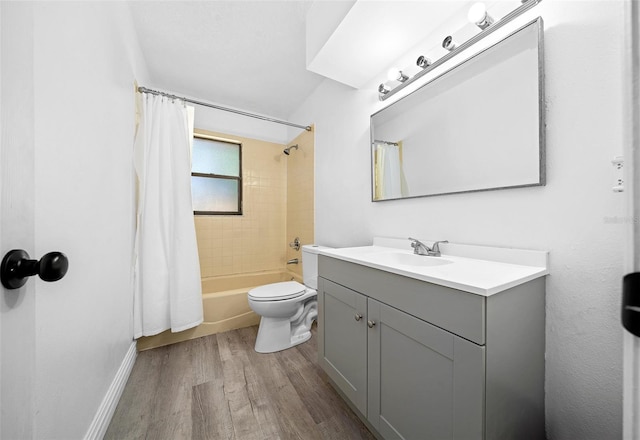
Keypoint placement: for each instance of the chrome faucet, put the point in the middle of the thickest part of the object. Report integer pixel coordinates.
(419, 248)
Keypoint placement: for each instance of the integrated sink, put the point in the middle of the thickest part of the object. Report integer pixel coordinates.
(404, 259)
(481, 270)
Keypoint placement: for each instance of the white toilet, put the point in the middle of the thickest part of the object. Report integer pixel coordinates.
(287, 309)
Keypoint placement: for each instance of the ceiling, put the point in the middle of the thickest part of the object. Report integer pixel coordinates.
(251, 55)
(248, 55)
(371, 35)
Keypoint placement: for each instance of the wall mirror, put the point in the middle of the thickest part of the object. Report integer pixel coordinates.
(478, 126)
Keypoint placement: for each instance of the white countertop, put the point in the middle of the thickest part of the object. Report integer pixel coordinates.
(481, 270)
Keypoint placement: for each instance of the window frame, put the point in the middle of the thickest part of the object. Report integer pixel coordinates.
(222, 176)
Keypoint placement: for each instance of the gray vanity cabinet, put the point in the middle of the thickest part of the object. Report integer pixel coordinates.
(421, 361)
(344, 341)
(424, 382)
(399, 371)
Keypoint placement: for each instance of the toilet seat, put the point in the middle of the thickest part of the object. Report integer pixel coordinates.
(277, 291)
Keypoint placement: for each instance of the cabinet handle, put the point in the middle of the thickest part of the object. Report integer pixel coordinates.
(358, 317)
(371, 323)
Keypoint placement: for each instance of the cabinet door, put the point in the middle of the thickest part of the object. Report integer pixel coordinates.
(424, 383)
(342, 340)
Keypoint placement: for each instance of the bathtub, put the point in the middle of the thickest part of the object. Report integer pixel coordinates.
(225, 306)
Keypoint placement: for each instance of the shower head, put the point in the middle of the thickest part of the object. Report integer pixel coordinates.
(286, 150)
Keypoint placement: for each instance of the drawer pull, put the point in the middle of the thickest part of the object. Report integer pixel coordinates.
(371, 323)
(358, 317)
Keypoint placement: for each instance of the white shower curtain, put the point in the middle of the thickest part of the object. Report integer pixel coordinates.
(389, 176)
(167, 293)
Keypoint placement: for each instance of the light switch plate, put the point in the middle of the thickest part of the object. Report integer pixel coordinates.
(618, 174)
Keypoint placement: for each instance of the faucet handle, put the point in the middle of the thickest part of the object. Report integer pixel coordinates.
(417, 245)
(295, 244)
(436, 247)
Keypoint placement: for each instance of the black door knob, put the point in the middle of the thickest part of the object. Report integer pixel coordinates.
(631, 302)
(16, 267)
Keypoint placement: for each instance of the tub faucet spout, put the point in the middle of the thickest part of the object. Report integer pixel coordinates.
(293, 261)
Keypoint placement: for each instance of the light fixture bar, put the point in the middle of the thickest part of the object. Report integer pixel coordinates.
(489, 30)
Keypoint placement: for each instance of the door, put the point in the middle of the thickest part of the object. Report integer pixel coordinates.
(424, 382)
(342, 341)
(631, 343)
(17, 307)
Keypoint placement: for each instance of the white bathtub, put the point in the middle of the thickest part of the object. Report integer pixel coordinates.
(225, 304)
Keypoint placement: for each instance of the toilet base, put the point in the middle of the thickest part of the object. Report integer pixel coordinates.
(276, 341)
(277, 334)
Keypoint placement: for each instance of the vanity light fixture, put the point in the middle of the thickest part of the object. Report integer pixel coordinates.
(448, 43)
(478, 15)
(423, 62)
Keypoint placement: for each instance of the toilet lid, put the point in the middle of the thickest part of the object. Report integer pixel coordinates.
(277, 291)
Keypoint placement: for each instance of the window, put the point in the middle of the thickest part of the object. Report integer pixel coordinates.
(216, 176)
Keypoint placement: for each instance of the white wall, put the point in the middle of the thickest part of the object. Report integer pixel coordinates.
(570, 216)
(86, 59)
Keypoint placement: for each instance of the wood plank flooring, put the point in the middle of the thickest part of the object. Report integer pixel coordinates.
(218, 387)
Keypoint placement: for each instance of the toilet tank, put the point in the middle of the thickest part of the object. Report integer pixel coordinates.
(310, 265)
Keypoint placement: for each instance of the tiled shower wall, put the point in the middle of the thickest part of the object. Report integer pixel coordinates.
(277, 206)
(300, 202)
(253, 241)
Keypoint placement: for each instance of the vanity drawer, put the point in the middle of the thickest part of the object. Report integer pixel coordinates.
(458, 312)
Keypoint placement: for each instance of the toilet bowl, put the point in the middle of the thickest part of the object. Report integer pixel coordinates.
(287, 309)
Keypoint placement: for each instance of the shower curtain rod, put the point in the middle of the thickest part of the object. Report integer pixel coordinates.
(226, 109)
(385, 142)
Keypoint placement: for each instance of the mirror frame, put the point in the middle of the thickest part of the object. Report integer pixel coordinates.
(538, 24)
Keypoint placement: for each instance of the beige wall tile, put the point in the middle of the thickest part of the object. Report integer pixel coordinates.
(253, 241)
(300, 196)
(278, 204)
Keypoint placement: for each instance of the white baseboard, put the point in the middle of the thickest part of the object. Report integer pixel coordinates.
(103, 416)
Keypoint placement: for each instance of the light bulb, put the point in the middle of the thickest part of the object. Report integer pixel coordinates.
(383, 89)
(477, 12)
(393, 74)
(478, 15)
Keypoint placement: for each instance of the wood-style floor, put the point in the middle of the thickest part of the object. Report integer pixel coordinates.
(218, 387)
